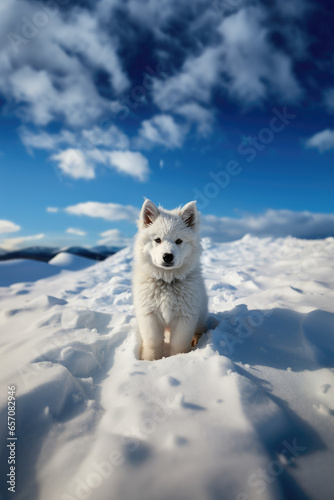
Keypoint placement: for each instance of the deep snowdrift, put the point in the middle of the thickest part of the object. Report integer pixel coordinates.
(248, 414)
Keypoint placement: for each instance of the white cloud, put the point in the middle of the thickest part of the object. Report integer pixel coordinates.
(52, 210)
(82, 165)
(276, 223)
(87, 139)
(81, 162)
(253, 66)
(194, 82)
(155, 14)
(322, 141)
(111, 137)
(161, 130)
(88, 38)
(34, 89)
(243, 62)
(53, 78)
(114, 237)
(74, 164)
(46, 141)
(42, 101)
(193, 112)
(129, 162)
(76, 231)
(71, 70)
(107, 211)
(6, 226)
(13, 243)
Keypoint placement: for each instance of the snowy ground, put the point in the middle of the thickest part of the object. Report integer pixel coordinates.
(248, 414)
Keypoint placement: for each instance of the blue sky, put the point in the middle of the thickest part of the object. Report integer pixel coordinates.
(104, 103)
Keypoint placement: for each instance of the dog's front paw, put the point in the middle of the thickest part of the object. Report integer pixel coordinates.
(150, 353)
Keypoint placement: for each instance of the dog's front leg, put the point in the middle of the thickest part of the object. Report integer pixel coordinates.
(152, 334)
(181, 334)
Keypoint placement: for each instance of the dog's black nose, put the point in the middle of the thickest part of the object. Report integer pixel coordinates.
(168, 258)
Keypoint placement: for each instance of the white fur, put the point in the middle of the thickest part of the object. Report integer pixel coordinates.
(168, 298)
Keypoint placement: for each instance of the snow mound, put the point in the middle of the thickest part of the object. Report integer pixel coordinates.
(24, 270)
(70, 261)
(44, 301)
(247, 415)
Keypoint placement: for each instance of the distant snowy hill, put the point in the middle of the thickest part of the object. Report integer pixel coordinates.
(36, 253)
(45, 254)
(70, 261)
(26, 270)
(248, 414)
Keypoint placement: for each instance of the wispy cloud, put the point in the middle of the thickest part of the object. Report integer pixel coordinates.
(13, 243)
(114, 237)
(243, 62)
(200, 116)
(76, 231)
(106, 211)
(322, 141)
(193, 83)
(73, 163)
(55, 78)
(52, 210)
(7, 226)
(161, 130)
(44, 140)
(73, 73)
(253, 65)
(276, 223)
(82, 165)
(109, 137)
(89, 148)
(130, 163)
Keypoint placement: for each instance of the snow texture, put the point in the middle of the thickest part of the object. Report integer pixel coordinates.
(248, 414)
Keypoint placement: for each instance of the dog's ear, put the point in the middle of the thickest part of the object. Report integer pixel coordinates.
(189, 214)
(149, 213)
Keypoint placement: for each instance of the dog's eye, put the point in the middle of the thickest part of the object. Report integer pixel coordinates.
(157, 240)
(178, 241)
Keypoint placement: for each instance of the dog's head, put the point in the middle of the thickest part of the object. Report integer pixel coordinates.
(169, 239)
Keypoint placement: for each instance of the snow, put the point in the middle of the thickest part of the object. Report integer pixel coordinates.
(23, 270)
(26, 270)
(248, 414)
(70, 261)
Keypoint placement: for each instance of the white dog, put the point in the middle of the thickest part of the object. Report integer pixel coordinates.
(168, 286)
